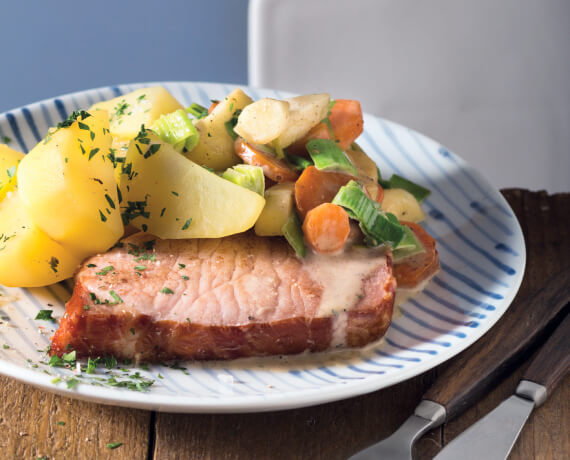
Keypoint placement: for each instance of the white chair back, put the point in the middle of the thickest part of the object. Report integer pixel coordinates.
(489, 79)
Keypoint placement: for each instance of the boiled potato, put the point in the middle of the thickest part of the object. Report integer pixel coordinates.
(304, 113)
(263, 121)
(119, 149)
(215, 148)
(9, 160)
(402, 204)
(68, 187)
(172, 197)
(141, 107)
(366, 168)
(279, 201)
(28, 257)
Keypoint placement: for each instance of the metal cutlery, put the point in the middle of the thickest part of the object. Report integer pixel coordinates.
(478, 369)
(493, 437)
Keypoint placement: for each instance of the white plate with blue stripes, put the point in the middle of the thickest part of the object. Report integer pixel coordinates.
(482, 255)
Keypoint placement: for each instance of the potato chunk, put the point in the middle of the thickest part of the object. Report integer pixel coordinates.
(68, 187)
(366, 168)
(141, 107)
(304, 113)
(215, 148)
(28, 257)
(172, 197)
(263, 121)
(9, 160)
(402, 204)
(279, 201)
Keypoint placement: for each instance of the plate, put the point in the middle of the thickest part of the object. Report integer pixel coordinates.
(482, 256)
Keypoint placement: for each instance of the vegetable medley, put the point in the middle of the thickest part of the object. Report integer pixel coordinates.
(142, 161)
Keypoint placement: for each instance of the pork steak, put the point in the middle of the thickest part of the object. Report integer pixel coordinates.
(239, 296)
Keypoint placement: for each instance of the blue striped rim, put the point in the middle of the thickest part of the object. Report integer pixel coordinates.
(402, 347)
(436, 214)
(469, 282)
(412, 335)
(474, 204)
(16, 130)
(61, 110)
(447, 154)
(31, 124)
(458, 209)
(428, 326)
(352, 367)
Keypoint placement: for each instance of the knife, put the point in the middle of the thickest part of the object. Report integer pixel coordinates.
(478, 369)
(493, 437)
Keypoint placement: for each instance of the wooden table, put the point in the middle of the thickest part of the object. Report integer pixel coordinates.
(31, 420)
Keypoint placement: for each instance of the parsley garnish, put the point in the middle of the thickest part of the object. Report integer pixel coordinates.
(53, 263)
(45, 315)
(166, 290)
(6, 139)
(114, 445)
(105, 270)
(110, 201)
(116, 297)
(187, 224)
(93, 152)
(82, 114)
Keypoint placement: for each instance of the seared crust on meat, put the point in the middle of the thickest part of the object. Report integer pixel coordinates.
(234, 297)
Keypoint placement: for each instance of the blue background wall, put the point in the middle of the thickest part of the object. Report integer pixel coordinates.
(52, 48)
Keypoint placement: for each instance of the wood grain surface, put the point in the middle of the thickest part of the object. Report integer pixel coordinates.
(35, 424)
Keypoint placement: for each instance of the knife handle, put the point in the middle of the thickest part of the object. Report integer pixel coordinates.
(481, 366)
(552, 362)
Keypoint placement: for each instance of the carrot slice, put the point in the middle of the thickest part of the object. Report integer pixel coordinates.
(326, 228)
(315, 187)
(413, 270)
(213, 105)
(379, 194)
(346, 122)
(274, 168)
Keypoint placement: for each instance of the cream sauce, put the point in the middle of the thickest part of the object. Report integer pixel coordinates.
(341, 275)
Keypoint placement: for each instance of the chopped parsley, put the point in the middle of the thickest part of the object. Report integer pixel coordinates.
(72, 383)
(110, 201)
(75, 115)
(66, 360)
(45, 315)
(105, 270)
(182, 265)
(166, 290)
(6, 139)
(133, 210)
(187, 224)
(93, 152)
(115, 297)
(53, 263)
(114, 445)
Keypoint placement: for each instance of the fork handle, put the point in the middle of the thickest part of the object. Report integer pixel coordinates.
(481, 366)
(552, 362)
